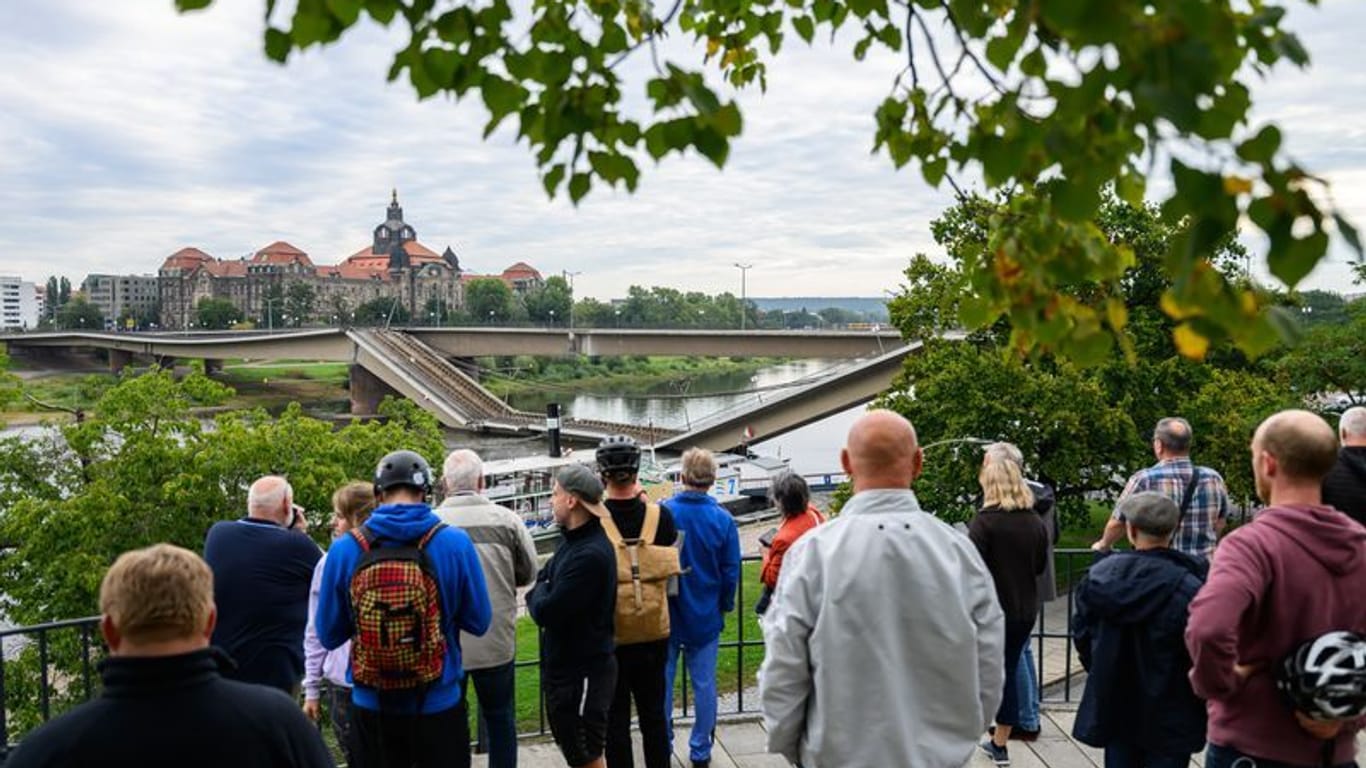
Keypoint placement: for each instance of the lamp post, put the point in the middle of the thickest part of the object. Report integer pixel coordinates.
(569, 277)
(617, 313)
(744, 268)
(552, 318)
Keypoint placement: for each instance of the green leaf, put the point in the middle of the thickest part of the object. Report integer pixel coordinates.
(345, 11)
(1261, 148)
(727, 120)
(613, 38)
(1034, 64)
(382, 10)
(1001, 50)
(278, 44)
(1348, 233)
(712, 145)
(1297, 258)
(1290, 47)
(552, 179)
(934, 170)
(192, 5)
(1074, 201)
(439, 64)
(805, 27)
(578, 187)
(1130, 187)
(502, 97)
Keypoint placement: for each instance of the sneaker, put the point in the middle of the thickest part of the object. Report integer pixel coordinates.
(999, 755)
(702, 763)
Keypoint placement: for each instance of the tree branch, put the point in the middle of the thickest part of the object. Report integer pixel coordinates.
(650, 38)
(962, 41)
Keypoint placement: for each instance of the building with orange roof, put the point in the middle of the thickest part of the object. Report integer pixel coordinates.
(394, 264)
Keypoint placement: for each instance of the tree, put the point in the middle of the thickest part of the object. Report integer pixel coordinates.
(300, 298)
(217, 314)
(1090, 95)
(80, 314)
(1331, 358)
(550, 303)
(339, 309)
(273, 307)
(63, 292)
(384, 310)
(9, 384)
(489, 300)
(52, 297)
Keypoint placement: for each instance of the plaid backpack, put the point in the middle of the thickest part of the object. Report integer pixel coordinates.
(398, 643)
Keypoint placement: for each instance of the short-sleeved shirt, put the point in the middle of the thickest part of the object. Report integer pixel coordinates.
(261, 578)
(1209, 503)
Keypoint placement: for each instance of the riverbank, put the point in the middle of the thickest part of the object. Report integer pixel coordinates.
(608, 375)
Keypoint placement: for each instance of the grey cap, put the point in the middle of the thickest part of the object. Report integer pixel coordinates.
(584, 484)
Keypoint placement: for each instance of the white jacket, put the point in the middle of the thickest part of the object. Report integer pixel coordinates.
(883, 643)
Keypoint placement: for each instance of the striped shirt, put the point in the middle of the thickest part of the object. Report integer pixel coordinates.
(1196, 534)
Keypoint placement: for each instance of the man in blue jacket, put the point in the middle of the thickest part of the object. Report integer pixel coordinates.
(706, 591)
(1129, 625)
(427, 725)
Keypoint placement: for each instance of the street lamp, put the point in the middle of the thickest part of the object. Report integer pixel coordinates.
(744, 268)
(617, 312)
(490, 317)
(569, 277)
(552, 318)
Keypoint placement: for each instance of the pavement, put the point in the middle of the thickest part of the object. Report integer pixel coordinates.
(741, 744)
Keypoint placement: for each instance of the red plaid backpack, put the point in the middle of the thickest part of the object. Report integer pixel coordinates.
(398, 643)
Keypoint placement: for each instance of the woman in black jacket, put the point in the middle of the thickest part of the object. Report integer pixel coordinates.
(1013, 542)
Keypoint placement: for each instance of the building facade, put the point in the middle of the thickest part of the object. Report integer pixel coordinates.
(121, 298)
(282, 281)
(19, 307)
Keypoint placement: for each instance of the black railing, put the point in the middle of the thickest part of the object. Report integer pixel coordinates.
(56, 667)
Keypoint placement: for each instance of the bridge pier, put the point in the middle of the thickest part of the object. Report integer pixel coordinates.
(119, 359)
(367, 391)
(213, 365)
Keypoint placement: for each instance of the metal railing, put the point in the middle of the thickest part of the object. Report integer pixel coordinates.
(74, 681)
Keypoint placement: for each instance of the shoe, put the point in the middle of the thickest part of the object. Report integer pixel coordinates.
(1017, 734)
(999, 755)
(702, 763)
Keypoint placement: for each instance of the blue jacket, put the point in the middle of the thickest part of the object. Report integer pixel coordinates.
(1129, 624)
(711, 568)
(464, 599)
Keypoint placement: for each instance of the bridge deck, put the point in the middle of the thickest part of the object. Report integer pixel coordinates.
(740, 744)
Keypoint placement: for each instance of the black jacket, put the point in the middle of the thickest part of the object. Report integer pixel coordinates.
(1345, 485)
(1014, 546)
(176, 711)
(575, 602)
(1129, 626)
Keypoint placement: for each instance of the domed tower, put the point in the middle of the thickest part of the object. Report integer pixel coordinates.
(394, 231)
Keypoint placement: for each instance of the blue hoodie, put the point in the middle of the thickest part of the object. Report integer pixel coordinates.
(464, 600)
(711, 568)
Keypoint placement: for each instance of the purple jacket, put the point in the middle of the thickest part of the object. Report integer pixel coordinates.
(1291, 575)
(319, 663)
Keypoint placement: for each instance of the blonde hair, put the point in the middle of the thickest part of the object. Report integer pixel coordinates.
(354, 502)
(1002, 478)
(158, 594)
(699, 468)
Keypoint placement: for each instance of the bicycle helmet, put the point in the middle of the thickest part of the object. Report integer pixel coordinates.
(1325, 678)
(403, 468)
(618, 455)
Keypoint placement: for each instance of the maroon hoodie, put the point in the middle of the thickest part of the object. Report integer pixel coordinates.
(1291, 575)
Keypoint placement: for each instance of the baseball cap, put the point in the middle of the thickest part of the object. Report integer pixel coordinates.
(585, 485)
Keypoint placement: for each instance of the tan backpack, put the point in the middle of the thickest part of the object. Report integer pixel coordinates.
(643, 573)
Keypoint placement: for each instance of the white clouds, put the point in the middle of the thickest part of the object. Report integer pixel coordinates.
(133, 131)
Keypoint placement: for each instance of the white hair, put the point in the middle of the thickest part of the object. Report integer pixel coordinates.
(463, 471)
(1353, 423)
(267, 496)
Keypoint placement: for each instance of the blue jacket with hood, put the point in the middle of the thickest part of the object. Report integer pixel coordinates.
(464, 600)
(1129, 623)
(711, 568)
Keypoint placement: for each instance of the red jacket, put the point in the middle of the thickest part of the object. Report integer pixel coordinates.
(1291, 575)
(788, 533)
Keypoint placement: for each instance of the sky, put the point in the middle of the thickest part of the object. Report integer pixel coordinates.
(129, 131)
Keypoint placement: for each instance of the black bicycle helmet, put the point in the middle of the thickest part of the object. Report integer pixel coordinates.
(402, 468)
(1325, 678)
(618, 455)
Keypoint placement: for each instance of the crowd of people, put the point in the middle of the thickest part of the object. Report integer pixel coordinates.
(891, 638)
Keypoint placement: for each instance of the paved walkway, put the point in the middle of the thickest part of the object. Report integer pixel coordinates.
(741, 745)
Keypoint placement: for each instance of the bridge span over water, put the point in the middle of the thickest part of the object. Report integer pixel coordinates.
(424, 365)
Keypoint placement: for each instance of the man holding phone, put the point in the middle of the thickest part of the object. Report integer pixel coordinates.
(262, 567)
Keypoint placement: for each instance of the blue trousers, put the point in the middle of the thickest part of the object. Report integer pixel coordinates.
(1027, 684)
(701, 661)
(495, 687)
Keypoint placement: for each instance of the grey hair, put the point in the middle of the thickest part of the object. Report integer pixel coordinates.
(1152, 513)
(698, 468)
(1353, 422)
(268, 494)
(1174, 433)
(790, 493)
(1008, 451)
(462, 471)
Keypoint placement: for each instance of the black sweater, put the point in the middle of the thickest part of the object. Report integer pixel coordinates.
(1014, 545)
(575, 601)
(176, 711)
(1345, 485)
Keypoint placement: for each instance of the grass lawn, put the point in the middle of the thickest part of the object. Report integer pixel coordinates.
(329, 373)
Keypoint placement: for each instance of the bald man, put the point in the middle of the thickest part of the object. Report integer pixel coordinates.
(884, 642)
(262, 568)
(1345, 485)
(1294, 573)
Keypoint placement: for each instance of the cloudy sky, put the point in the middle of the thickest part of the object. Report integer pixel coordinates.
(129, 131)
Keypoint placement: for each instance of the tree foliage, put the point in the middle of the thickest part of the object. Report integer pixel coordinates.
(300, 299)
(217, 314)
(1088, 95)
(1083, 430)
(79, 314)
(489, 299)
(384, 310)
(1331, 358)
(550, 303)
